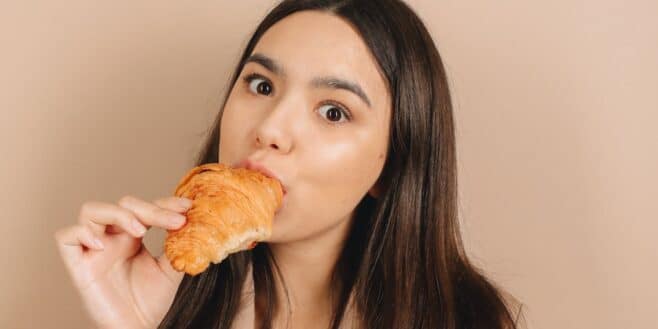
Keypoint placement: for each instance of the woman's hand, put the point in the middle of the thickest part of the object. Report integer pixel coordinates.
(121, 284)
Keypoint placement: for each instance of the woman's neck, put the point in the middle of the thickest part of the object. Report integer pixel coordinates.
(307, 267)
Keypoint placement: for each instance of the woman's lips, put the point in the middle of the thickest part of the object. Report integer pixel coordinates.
(248, 164)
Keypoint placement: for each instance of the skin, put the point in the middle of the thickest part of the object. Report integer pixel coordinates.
(328, 161)
(121, 284)
(328, 168)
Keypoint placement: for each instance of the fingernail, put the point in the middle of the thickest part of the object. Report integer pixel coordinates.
(185, 202)
(138, 227)
(177, 220)
(98, 244)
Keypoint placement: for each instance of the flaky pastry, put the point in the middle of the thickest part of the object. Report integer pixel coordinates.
(232, 209)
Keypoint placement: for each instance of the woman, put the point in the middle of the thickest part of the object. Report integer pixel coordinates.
(347, 103)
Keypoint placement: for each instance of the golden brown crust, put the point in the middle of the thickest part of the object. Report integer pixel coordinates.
(232, 208)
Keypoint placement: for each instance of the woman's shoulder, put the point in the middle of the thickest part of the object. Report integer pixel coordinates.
(516, 309)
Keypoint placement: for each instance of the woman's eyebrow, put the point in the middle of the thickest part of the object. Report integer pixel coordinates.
(270, 64)
(337, 83)
(320, 82)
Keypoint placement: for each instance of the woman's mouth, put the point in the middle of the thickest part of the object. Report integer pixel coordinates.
(252, 165)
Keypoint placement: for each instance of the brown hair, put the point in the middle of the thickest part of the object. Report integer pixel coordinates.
(404, 261)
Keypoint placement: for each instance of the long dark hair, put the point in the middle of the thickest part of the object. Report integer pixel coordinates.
(403, 261)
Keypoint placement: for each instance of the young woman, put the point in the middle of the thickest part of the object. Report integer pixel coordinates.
(347, 103)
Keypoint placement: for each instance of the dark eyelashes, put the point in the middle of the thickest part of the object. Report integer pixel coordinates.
(252, 76)
(340, 106)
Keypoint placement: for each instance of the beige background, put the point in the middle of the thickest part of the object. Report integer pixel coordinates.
(556, 106)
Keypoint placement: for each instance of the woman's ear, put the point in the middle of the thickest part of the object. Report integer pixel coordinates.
(375, 190)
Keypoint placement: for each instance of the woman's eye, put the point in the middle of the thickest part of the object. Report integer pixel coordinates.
(333, 113)
(259, 86)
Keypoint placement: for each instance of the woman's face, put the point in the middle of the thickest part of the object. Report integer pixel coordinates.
(312, 107)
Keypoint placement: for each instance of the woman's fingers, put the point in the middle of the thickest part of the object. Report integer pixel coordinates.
(97, 216)
(131, 215)
(70, 241)
(153, 215)
(179, 205)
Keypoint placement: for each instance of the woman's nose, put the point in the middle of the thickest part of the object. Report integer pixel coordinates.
(275, 129)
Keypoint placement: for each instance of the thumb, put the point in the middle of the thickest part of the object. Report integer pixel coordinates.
(166, 268)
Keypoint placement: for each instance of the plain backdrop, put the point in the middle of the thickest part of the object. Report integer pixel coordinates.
(556, 105)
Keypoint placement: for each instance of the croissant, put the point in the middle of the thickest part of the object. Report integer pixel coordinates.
(232, 210)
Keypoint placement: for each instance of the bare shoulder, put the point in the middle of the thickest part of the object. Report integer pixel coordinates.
(519, 318)
(517, 310)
